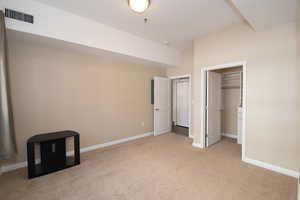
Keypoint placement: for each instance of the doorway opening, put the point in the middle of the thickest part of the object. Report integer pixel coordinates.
(224, 104)
(172, 105)
(180, 105)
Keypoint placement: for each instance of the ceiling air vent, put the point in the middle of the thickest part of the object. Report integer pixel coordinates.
(18, 16)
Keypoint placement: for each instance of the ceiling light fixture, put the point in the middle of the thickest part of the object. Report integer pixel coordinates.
(139, 6)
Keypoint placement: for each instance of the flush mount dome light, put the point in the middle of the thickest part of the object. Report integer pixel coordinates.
(139, 6)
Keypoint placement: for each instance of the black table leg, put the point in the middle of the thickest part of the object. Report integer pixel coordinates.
(30, 160)
(76, 149)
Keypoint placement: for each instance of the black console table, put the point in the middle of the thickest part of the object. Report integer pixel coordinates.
(53, 153)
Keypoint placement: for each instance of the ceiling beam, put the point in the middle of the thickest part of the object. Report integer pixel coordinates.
(58, 24)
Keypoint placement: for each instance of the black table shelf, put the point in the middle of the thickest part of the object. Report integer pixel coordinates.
(70, 162)
(53, 153)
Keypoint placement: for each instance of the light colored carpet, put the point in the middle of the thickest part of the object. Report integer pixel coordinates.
(157, 168)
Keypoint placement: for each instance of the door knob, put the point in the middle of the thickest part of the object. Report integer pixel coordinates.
(156, 109)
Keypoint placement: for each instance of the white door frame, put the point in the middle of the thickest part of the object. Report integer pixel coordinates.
(203, 96)
(189, 76)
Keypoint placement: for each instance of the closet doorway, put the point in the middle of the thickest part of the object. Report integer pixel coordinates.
(224, 104)
(181, 104)
(224, 101)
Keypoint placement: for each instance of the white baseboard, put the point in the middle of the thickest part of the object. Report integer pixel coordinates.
(197, 145)
(271, 167)
(7, 168)
(99, 146)
(230, 135)
(163, 132)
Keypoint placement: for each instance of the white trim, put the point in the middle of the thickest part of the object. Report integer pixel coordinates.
(189, 76)
(298, 187)
(228, 65)
(230, 135)
(163, 132)
(99, 146)
(202, 106)
(181, 76)
(271, 167)
(197, 145)
(7, 168)
(244, 110)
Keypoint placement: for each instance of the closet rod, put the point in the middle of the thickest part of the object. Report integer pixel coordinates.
(231, 87)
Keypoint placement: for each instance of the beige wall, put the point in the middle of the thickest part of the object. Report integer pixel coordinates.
(186, 66)
(104, 99)
(231, 102)
(273, 87)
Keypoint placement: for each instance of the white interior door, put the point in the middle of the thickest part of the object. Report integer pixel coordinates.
(162, 105)
(174, 101)
(182, 102)
(214, 105)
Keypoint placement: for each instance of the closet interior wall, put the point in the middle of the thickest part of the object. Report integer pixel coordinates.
(231, 101)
